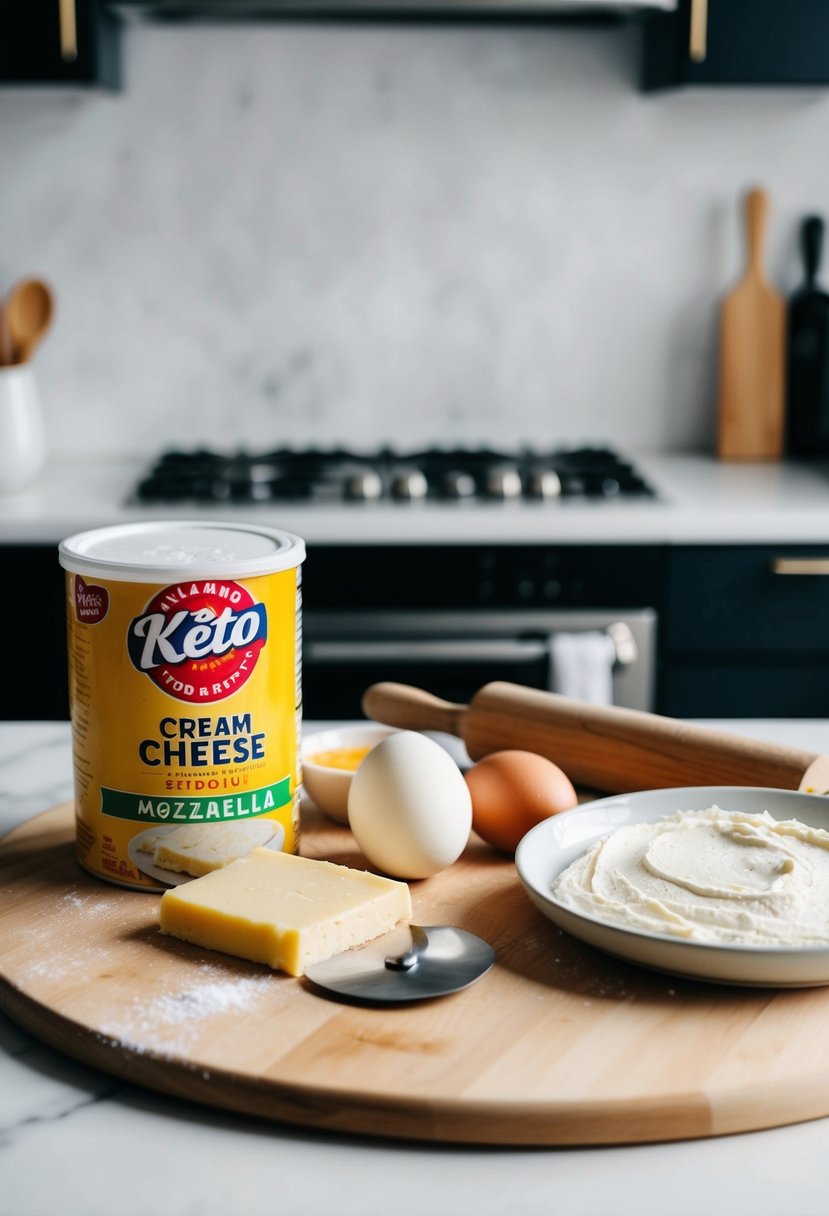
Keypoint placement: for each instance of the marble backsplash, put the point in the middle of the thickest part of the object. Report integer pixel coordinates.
(364, 234)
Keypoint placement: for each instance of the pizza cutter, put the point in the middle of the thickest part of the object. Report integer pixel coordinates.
(413, 963)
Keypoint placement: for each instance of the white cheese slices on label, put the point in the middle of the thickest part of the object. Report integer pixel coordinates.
(283, 910)
(196, 849)
(148, 842)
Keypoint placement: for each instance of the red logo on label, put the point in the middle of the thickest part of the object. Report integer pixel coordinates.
(91, 602)
(199, 641)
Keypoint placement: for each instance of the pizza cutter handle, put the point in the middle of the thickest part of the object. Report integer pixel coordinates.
(409, 958)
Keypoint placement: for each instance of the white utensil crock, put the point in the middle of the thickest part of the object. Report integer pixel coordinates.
(22, 438)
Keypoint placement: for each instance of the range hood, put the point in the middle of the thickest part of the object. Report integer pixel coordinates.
(252, 9)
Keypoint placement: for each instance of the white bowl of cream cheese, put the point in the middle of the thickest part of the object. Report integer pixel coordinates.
(722, 883)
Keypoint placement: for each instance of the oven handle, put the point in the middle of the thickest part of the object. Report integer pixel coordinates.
(455, 649)
(460, 650)
(624, 643)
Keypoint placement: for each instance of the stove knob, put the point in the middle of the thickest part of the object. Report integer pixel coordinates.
(504, 483)
(573, 484)
(261, 490)
(363, 486)
(261, 472)
(457, 484)
(544, 484)
(219, 489)
(409, 484)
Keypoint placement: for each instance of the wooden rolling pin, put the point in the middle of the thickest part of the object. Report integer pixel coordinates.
(600, 748)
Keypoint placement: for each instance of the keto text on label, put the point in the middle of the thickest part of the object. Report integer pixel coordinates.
(199, 640)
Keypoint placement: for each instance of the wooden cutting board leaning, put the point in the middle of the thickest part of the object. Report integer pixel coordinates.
(752, 376)
(558, 1044)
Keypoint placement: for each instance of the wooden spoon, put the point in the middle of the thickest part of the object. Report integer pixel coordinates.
(29, 310)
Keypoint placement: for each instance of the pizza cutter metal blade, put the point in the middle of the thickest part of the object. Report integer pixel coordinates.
(413, 963)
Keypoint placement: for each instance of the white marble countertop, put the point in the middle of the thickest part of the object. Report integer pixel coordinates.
(78, 1142)
(699, 501)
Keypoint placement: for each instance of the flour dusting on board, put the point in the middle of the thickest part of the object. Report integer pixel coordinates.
(89, 907)
(218, 996)
(167, 1022)
(170, 1022)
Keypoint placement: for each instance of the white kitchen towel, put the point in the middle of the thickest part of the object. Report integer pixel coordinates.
(582, 666)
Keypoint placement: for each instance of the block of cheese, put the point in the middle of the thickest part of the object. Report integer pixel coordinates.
(198, 848)
(286, 911)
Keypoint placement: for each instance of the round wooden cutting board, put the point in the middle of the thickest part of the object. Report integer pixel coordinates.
(558, 1044)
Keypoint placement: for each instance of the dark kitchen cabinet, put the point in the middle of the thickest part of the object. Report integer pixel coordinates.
(737, 42)
(52, 42)
(743, 629)
(746, 632)
(450, 619)
(33, 622)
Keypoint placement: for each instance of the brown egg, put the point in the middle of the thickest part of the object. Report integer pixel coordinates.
(512, 791)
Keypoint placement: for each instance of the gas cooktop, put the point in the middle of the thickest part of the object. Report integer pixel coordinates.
(433, 474)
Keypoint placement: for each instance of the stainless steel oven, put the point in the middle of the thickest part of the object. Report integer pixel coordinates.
(449, 618)
(454, 652)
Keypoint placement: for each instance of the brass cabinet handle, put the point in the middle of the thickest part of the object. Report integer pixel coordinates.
(801, 565)
(68, 19)
(698, 41)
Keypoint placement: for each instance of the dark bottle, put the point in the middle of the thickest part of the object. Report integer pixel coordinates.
(808, 353)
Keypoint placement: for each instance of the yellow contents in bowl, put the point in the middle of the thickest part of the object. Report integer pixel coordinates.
(341, 757)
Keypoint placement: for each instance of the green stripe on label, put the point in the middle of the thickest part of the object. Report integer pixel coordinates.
(119, 804)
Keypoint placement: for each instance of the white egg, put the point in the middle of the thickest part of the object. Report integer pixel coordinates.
(409, 807)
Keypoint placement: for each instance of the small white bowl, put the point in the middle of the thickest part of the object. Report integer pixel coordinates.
(328, 787)
(551, 845)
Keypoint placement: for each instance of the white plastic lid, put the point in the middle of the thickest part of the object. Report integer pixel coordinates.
(169, 550)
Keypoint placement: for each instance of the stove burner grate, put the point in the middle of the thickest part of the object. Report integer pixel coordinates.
(438, 474)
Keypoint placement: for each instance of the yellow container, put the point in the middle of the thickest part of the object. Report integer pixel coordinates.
(184, 642)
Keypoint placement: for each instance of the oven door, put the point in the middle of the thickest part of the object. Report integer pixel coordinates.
(452, 654)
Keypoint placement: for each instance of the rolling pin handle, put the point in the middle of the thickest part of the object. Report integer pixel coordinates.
(411, 708)
(816, 778)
